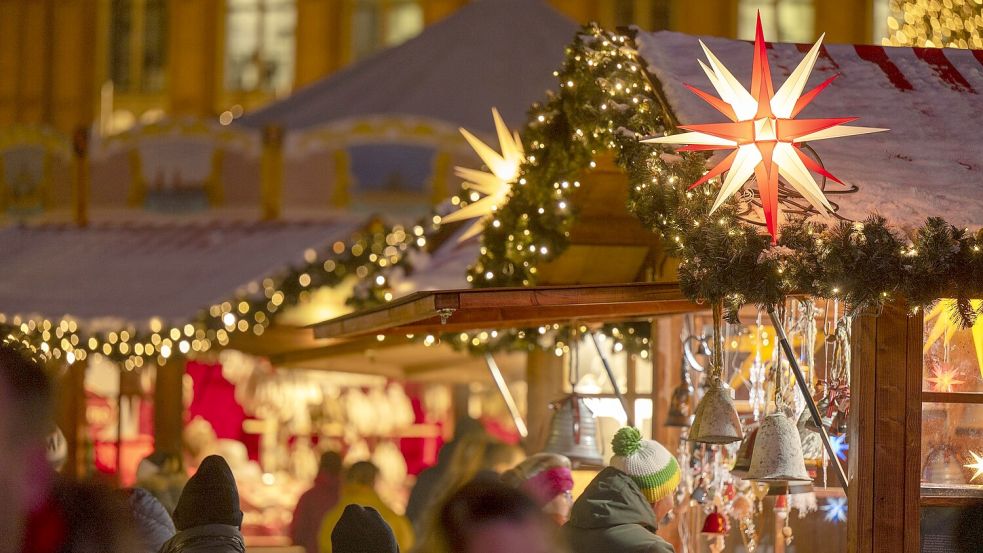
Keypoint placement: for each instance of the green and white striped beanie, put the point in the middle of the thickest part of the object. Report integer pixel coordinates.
(647, 462)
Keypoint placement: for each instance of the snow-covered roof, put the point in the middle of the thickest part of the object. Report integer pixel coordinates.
(930, 163)
(116, 273)
(489, 53)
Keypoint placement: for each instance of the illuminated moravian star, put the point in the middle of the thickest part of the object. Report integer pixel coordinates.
(763, 131)
(976, 465)
(944, 327)
(835, 509)
(944, 379)
(494, 184)
(839, 445)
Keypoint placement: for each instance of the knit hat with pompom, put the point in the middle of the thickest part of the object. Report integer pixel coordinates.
(647, 462)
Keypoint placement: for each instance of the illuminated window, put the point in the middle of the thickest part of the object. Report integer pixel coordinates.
(138, 45)
(259, 45)
(781, 20)
(378, 24)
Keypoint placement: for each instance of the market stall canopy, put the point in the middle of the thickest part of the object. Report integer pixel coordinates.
(488, 53)
(112, 273)
(928, 164)
(459, 310)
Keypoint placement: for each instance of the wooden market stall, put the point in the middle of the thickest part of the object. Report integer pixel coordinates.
(912, 431)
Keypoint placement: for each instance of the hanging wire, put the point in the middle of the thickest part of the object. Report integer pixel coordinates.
(749, 201)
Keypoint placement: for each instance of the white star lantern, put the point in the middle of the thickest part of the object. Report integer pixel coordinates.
(495, 184)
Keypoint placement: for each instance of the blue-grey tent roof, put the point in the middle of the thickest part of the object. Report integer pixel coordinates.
(490, 53)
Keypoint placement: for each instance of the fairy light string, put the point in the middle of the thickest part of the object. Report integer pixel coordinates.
(605, 103)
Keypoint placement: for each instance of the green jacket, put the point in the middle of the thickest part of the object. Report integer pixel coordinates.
(612, 516)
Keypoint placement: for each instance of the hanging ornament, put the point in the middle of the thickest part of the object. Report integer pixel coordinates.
(942, 466)
(716, 420)
(495, 184)
(777, 455)
(944, 327)
(945, 378)
(749, 534)
(679, 404)
(715, 524)
(835, 509)
(976, 465)
(764, 131)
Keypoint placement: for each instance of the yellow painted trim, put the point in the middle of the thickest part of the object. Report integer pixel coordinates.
(341, 196)
(438, 181)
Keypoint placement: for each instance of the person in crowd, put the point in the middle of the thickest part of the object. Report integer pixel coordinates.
(207, 516)
(162, 475)
(477, 456)
(546, 478)
(485, 516)
(362, 530)
(80, 517)
(316, 502)
(620, 509)
(26, 478)
(428, 482)
(359, 489)
(151, 522)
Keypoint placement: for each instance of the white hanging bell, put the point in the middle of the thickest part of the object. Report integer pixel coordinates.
(716, 420)
(777, 453)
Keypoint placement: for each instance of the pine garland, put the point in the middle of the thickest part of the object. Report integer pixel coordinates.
(606, 102)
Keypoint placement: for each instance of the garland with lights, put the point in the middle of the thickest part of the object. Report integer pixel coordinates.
(607, 102)
(371, 252)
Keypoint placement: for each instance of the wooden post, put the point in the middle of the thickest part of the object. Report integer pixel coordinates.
(544, 379)
(169, 406)
(71, 417)
(80, 147)
(666, 354)
(885, 428)
(271, 172)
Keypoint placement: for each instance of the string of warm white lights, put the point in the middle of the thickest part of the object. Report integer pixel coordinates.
(373, 251)
(606, 102)
(935, 23)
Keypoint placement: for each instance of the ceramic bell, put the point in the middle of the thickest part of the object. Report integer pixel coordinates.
(715, 524)
(573, 432)
(679, 405)
(942, 466)
(716, 420)
(777, 453)
(744, 452)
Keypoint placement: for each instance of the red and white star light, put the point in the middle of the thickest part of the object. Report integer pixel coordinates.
(763, 131)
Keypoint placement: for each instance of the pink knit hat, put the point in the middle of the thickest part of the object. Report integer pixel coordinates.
(546, 485)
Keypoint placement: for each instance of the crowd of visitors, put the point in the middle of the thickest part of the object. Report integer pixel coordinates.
(481, 496)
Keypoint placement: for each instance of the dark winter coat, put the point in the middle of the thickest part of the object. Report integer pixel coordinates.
(613, 516)
(151, 522)
(311, 508)
(210, 538)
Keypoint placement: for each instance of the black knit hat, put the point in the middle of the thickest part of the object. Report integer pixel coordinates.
(362, 530)
(209, 497)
